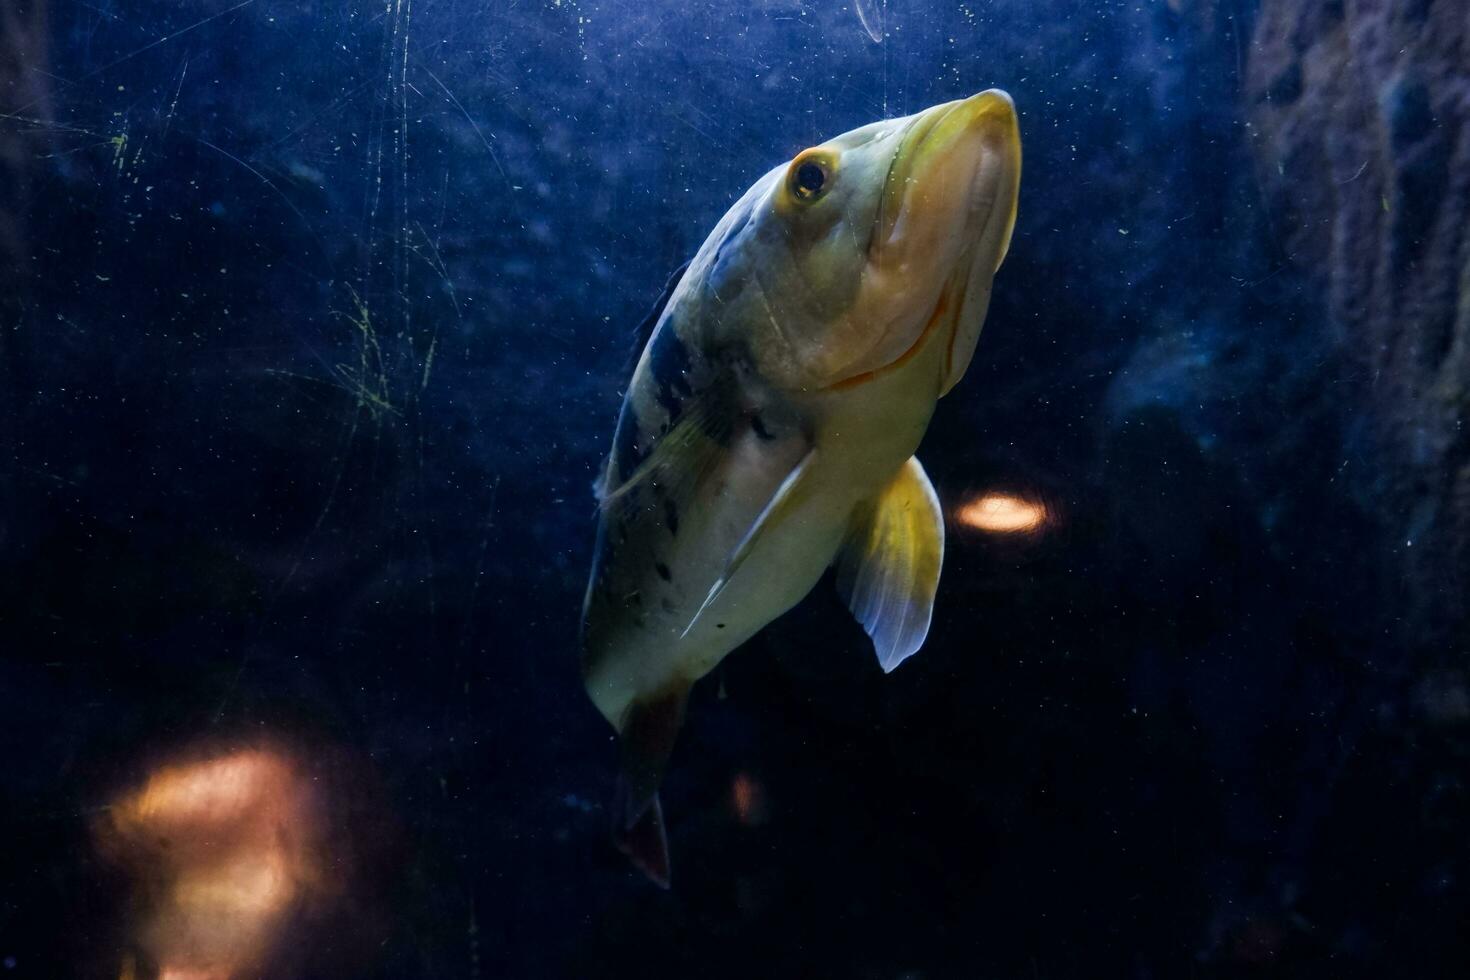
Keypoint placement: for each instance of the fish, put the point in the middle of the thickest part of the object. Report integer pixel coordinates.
(768, 431)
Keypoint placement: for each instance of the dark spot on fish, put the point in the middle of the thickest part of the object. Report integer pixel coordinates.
(663, 571)
(671, 516)
(668, 361)
(666, 605)
(719, 626)
(758, 426)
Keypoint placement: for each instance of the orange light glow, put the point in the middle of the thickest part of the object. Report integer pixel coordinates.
(1002, 513)
(748, 800)
(222, 851)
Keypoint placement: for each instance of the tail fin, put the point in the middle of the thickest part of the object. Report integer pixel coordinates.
(639, 833)
(647, 738)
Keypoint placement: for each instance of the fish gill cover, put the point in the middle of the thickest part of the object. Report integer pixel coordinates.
(315, 325)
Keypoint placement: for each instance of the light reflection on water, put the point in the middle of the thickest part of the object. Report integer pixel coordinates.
(995, 512)
(222, 852)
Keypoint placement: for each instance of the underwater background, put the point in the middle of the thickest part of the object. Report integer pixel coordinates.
(314, 322)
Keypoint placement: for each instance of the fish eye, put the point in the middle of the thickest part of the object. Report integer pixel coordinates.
(810, 176)
(809, 179)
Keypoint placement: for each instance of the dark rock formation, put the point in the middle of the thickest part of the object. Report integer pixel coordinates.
(1360, 116)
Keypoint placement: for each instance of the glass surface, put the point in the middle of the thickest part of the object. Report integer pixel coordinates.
(315, 323)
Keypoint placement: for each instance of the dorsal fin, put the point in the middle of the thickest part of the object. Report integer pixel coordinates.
(645, 329)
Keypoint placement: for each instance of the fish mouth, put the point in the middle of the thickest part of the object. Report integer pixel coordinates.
(943, 225)
(969, 145)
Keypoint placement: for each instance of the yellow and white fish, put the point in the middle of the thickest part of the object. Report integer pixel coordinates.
(769, 428)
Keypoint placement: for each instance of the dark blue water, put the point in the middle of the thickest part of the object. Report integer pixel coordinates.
(316, 320)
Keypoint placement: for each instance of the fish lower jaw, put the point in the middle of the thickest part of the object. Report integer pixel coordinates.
(866, 431)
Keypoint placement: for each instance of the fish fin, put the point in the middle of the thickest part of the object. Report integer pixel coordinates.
(644, 331)
(782, 502)
(643, 840)
(685, 454)
(646, 736)
(888, 569)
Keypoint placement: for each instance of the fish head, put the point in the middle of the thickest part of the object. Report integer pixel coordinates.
(846, 259)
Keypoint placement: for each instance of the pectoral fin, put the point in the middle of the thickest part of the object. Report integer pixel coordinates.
(888, 571)
(782, 502)
(681, 457)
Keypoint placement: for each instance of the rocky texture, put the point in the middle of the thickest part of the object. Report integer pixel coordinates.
(1360, 119)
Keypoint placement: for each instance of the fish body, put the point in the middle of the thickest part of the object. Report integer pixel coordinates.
(769, 428)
